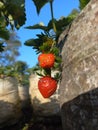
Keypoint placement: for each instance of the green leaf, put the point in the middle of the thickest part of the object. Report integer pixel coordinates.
(39, 74)
(39, 4)
(2, 22)
(47, 71)
(45, 48)
(37, 26)
(55, 50)
(1, 47)
(57, 76)
(83, 3)
(50, 24)
(4, 33)
(16, 9)
(36, 43)
(30, 42)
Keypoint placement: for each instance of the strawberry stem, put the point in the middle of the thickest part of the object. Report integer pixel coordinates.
(52, 17)
(47, 71)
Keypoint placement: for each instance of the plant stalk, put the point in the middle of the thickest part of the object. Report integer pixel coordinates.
(52, 16)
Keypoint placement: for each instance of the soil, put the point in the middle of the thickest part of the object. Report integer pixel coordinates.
(47, 123)
(31, 122)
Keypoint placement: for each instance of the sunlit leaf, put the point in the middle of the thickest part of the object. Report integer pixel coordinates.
(16, 9)
(83, 3)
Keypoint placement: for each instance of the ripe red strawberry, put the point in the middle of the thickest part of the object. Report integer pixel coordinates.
(46, 60)
(47, 86)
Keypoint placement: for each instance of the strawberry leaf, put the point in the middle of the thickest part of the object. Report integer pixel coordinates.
(39, 4)
(37, 26)
(39, 74)
(4, 33)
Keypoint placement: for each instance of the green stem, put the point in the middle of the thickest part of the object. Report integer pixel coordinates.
(53, 23)
(48, 71)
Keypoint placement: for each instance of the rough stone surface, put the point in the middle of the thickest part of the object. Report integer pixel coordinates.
(79, 84)
(10, 109)
(24, 96)
(43, 106)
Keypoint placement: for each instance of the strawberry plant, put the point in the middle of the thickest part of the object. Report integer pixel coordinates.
(48, 61)
(48, 58)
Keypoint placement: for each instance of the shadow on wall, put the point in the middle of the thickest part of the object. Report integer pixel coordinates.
(13, 116)
(9, 113)
(63, 37)
(47, 114)
(48, 108)
(81, 113)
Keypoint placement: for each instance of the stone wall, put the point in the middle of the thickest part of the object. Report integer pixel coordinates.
(14, 102)
(10, 107)
(79, 84)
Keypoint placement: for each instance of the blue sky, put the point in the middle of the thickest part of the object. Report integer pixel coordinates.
(61, 8)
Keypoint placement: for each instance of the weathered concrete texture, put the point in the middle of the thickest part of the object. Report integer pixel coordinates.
(79, 84)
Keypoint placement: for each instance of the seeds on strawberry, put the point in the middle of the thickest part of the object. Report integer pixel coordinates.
(47, 86)
(46, 60)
